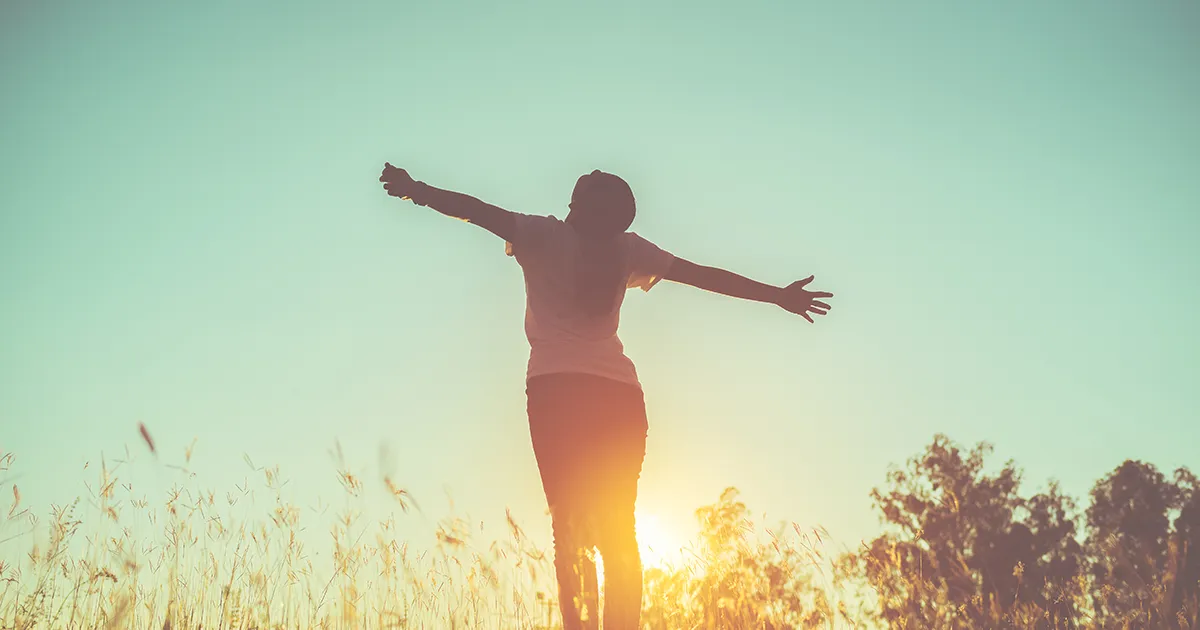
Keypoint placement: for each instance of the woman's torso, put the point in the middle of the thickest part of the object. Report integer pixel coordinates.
(563, 336)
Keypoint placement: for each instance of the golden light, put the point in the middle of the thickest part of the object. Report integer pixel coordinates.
(658, 547)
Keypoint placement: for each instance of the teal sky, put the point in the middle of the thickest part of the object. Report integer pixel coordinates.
(1003, 196)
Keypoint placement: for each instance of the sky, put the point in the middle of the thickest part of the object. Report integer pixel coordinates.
(1002, 196)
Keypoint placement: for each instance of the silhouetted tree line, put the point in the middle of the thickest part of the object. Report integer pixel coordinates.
(961, 547)
(965, 548)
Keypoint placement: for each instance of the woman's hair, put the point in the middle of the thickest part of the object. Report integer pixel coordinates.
(602, 208)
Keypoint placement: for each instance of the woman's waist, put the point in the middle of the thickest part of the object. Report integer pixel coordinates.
(598, 357)
(567, 342)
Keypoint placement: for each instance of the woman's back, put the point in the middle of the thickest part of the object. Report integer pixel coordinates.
(565, 333)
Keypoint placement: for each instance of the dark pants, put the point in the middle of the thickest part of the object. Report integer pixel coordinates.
(589, 435)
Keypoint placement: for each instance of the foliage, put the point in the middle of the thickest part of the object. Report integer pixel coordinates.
(963, 548)
(738, 580)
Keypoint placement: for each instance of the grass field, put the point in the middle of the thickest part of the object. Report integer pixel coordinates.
(200, 558)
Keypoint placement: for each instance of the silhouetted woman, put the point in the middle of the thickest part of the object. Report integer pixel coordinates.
(587, 418)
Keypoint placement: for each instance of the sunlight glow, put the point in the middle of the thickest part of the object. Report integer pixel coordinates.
(658, 547)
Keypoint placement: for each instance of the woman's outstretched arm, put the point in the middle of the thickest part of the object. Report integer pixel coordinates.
(398, 183)
(793, 298)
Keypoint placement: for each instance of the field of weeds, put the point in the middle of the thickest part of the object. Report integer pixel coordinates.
(960, 548)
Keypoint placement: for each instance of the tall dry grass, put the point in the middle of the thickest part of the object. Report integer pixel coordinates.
(202, 559)
(198, 558)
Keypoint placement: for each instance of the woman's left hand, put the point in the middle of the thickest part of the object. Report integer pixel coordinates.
(796, 299)
(396, 181)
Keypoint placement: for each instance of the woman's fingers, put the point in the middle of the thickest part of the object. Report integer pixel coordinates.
(391, 173)
(804, 302)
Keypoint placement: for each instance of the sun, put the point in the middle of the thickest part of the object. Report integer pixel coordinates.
(657, 546)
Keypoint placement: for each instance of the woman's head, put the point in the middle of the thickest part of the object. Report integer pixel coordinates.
(602, 208)
(602, 204)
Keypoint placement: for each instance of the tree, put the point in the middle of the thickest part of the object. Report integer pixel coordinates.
(1129, 533)
(963, 549)
(1144, 544)
(1185, 565)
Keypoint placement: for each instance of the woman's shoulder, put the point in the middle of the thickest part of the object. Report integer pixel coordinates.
(539, 222)
(637, 241)
(534, 232)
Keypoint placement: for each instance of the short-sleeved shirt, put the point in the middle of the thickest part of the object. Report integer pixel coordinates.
(562, 336)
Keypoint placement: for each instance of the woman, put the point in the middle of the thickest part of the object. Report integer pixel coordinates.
(587, 418)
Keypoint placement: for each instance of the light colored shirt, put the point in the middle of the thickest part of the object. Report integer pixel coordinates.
(562, 336)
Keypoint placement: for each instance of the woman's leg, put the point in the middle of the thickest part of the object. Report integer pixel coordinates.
(622, 571)
(589, 436)
(578, 588)
(624, 449)
(561, 449)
